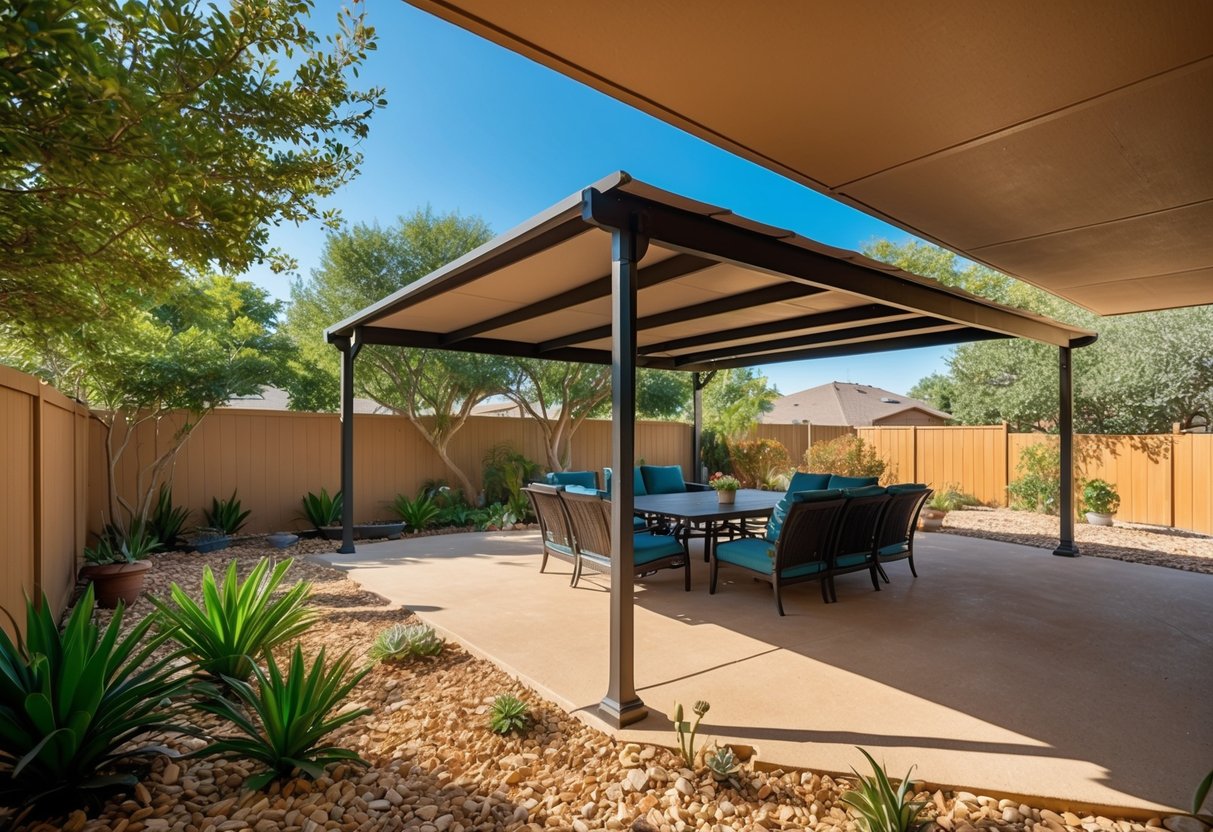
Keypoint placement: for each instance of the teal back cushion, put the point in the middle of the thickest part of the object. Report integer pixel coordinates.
(866, 491)
(663, 479)
(907, 487)
(780, 512)
(637, 482)
(816, 496)
(585, 479)
(851, 482)
(803, 481)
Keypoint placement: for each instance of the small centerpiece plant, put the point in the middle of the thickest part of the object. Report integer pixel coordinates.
(726, 487)
(1101, 501)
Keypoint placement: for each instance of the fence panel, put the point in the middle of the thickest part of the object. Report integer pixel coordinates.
(1193, 482)
(827, 433)
(896, 446)
(793, 437)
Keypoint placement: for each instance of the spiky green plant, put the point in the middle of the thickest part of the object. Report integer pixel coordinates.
(401, 642)
(879, 807)
(282, 720)
(723, 763)
(322, 510)
(118, 546)
(226, 515)
(167, 520)
(74, 703)
(237, 622)
(509, 713)
(417, 514)
(1198, 799)
(686, 732)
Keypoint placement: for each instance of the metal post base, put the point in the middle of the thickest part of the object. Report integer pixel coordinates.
(1067, 550)
(618, 716)
(346, 549)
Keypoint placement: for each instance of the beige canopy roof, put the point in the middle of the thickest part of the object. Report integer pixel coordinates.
(1066, 143)
(716, 290)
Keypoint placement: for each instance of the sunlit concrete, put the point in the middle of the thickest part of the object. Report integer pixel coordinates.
(1001, 668)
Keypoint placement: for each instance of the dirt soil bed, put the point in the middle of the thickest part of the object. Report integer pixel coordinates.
(1153, 545)
(436, 767)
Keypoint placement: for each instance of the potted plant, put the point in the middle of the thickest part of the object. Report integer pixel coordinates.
(207, 539)
(1101, 501)
(116, 566)
(282, 540)
(726, 487)
(930, 519)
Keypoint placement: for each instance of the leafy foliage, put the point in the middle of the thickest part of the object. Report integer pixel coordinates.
(1199, 797)
(237, 622)
(143, 140)
(166, 521)
(559, 396)
(950, 498)
(714, 452)
(1038, 486)
(506, 471)
(419, 513)
(457, 515)
(118, 546)
(225, 515)
(734, 400)
(686, 731)
(401, 642)
(509, 714)
(500, 516)
(322, 510)
(75, 702)
(759, 463)
(282, 721)
(879, 807)
(1100, 497)
(847, 456)
(724, 482)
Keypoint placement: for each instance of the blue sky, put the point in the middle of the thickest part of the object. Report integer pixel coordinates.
(474, 128)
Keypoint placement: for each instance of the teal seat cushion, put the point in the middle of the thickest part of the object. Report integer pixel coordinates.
(663, 479)
(580, 489)
(804, 481)
(558, 547)
(907, 488)
(637, 482)
(901, 548)
(638, 523)
(651, 547)
(584, 479)
(866, 491)
(751, 553)
(780, 512)
(851, 482)
(854, 559)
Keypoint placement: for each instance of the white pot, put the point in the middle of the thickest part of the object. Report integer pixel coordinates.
(1096, 519)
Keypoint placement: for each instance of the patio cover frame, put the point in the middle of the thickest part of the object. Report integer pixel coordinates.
(638, 216)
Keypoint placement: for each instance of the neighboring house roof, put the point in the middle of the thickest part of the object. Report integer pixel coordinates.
(507, 407)
(843, 403)
(274, 398)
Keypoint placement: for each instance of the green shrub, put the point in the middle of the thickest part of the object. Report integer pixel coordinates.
(685, 731)
(226, 515)
(509, 714)
(74, 703)
(879, 807)
(401, 642)
(417, 514)
(759, 463)
(714, 452)
(457, 515)
(237, 622)
(847, 456)
(506, 471)
(282, 721)
(1100, 497)
(167, 520)
(118, 546)
(1038, 486)
(322, 510)
(500, 516)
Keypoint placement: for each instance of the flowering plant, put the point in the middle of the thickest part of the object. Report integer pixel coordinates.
(723, 482)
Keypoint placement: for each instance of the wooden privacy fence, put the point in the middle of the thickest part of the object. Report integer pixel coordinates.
(43, 475)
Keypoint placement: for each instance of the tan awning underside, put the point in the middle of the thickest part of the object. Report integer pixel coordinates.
(1066, 143)
(513, 274)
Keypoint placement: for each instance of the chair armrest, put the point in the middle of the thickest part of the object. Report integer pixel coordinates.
(697, 486)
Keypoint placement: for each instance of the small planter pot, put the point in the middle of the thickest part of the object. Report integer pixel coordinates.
(726, 498)
(1094, 518)
(282, 540)
(366, 531)
(114, 582)
(931, 519)
(211, 544)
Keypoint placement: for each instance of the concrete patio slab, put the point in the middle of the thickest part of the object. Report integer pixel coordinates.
(1001, 669)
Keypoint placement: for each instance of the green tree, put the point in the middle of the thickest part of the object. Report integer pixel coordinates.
(142, 141)
(559, 397)
(734, 400)
(436, 390)
(207, 340)
(937, 390)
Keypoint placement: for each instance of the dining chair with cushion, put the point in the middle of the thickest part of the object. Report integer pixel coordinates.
(583, 479)
(855, 549)
(896, 538)
(554, 526)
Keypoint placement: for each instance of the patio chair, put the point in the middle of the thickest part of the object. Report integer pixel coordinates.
(667, 479)
(584, 479)
(855, 549)
(800, 552)
(554, 525)
(591, 524)
(895, 540)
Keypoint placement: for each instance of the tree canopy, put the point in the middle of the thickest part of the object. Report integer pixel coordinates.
(142, 141)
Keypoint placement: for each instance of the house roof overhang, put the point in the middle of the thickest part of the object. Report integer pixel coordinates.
(715, 291)
(1066, 144)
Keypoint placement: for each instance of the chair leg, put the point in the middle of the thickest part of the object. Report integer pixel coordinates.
(883, 574)
(778, 597)
(913, 571)
(833, 589)
(686, 573)
(576, 571)
(825, 592)
(712, 577)
(875, 580)
(543, 563)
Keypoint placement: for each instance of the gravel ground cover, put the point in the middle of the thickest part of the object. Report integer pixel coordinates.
(1153, 545)
(436, 767)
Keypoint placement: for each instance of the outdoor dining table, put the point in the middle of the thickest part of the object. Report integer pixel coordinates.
(704, 508)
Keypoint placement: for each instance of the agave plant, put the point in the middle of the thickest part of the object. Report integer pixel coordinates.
(74, 703)
(509, 713)
(417, 514)
(237, 622)
(167, 520)
(879, 807)
(283, 719)
(401, 642)
(723, 763)
(322, 510)
(118, 546)
(226, 515)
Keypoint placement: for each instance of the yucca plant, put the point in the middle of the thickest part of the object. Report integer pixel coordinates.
(401, 642)
(74, 703)
(879, 807)
(118, 546)
(167, 520)
(226, 515)
(237, 622)
(417, 514)
(282, 720)
(509, 713)
(322, 510)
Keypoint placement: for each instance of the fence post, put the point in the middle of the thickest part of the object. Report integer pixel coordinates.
(914, 452)
(36, 500)
(1004, 498)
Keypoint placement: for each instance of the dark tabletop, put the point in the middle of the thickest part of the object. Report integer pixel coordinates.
(703, 505)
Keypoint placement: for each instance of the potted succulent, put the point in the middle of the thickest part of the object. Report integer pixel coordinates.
(117, 566)
(207, 539)
(282, 540)
(930, 519)
(1101, 501)
(726, 487)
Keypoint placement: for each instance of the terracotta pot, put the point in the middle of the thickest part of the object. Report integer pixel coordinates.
(726, 498)
(1094, 518)
(931, 519)
(114, 582)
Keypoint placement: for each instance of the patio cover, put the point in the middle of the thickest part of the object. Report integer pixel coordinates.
(1064, 143)
(628, 275)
